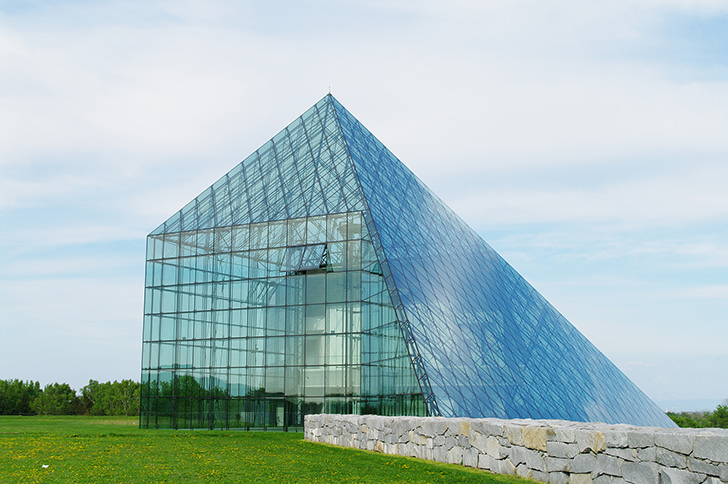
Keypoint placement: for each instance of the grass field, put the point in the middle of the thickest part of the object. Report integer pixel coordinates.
(114, 449)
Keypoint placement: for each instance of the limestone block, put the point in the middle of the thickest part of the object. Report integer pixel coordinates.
(536, 460)
(478, 440)
(523, 471)
(485, 462)
(480, 425)
(558, 478)
(616, 438)
(495, 428)
(618, 480)
(681, 442)
(429, 453)
(639, 439)
(439, 454)
(493, 448)
(713, 447)
(624, 454)
(540, 476)
(640, 472)
(439, 440)
(606, 464)
(669, 475)
(419, 439)
(514, 435)
(554, 464)
(455, 455)
(450, 442)
(580, 479)
(564, 434)
(429, 428)
(470, 457)
(464, 427)
(602, 479)
(518, 455)
(670, 459)
(463, 441)
(583, 463)
(561, 449)
(712, 480)
(648, 454)
(439, 425)
(536, 437)
(590, 440)
(505, 466)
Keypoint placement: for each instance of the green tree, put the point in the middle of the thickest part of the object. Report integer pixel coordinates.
(683, 419)
(91, 394)
(117, 398)
(16, 396)
(58, 399)
(719, 418)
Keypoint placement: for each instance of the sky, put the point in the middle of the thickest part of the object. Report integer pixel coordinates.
(586, 141)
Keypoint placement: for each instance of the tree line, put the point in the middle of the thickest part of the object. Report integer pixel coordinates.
(19, 397)
(718, 418)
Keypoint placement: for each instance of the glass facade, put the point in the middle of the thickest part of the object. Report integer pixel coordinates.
(320, 275)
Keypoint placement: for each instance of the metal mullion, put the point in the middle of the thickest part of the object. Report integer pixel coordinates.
(296, 160)
(310, 150)
(280, 174)
(260, 170)
(317, 178)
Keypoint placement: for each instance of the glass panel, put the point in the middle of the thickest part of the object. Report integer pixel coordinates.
(335, 314)
(294, 354)
(259, 236)
(314, 382)
(223, 239)
(275, 351)
(295, 320)
(354, 228)
(336, 287)
(277, 233)
(240, 238)
(336, 227)
(313, 257)
(297, 231)
(315, 318)
(335, 349)
(315, 288)
(171, 245)
(316, 230)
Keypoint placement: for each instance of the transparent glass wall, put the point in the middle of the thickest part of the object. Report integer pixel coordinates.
(254, 326)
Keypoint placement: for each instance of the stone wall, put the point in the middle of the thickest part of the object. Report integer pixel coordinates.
(552, 451)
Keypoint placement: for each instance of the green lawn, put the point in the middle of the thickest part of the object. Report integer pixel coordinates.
(113, 449)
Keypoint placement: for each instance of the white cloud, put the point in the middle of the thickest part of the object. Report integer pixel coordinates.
(718, 291)
(593, 119)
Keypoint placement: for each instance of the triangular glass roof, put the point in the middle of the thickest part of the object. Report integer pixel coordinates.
(483, 342)
(304, 171)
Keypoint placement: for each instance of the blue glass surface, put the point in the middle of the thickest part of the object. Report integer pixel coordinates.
(320, 274)
(490, 344)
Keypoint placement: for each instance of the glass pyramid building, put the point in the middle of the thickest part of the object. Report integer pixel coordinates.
(320, 275)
